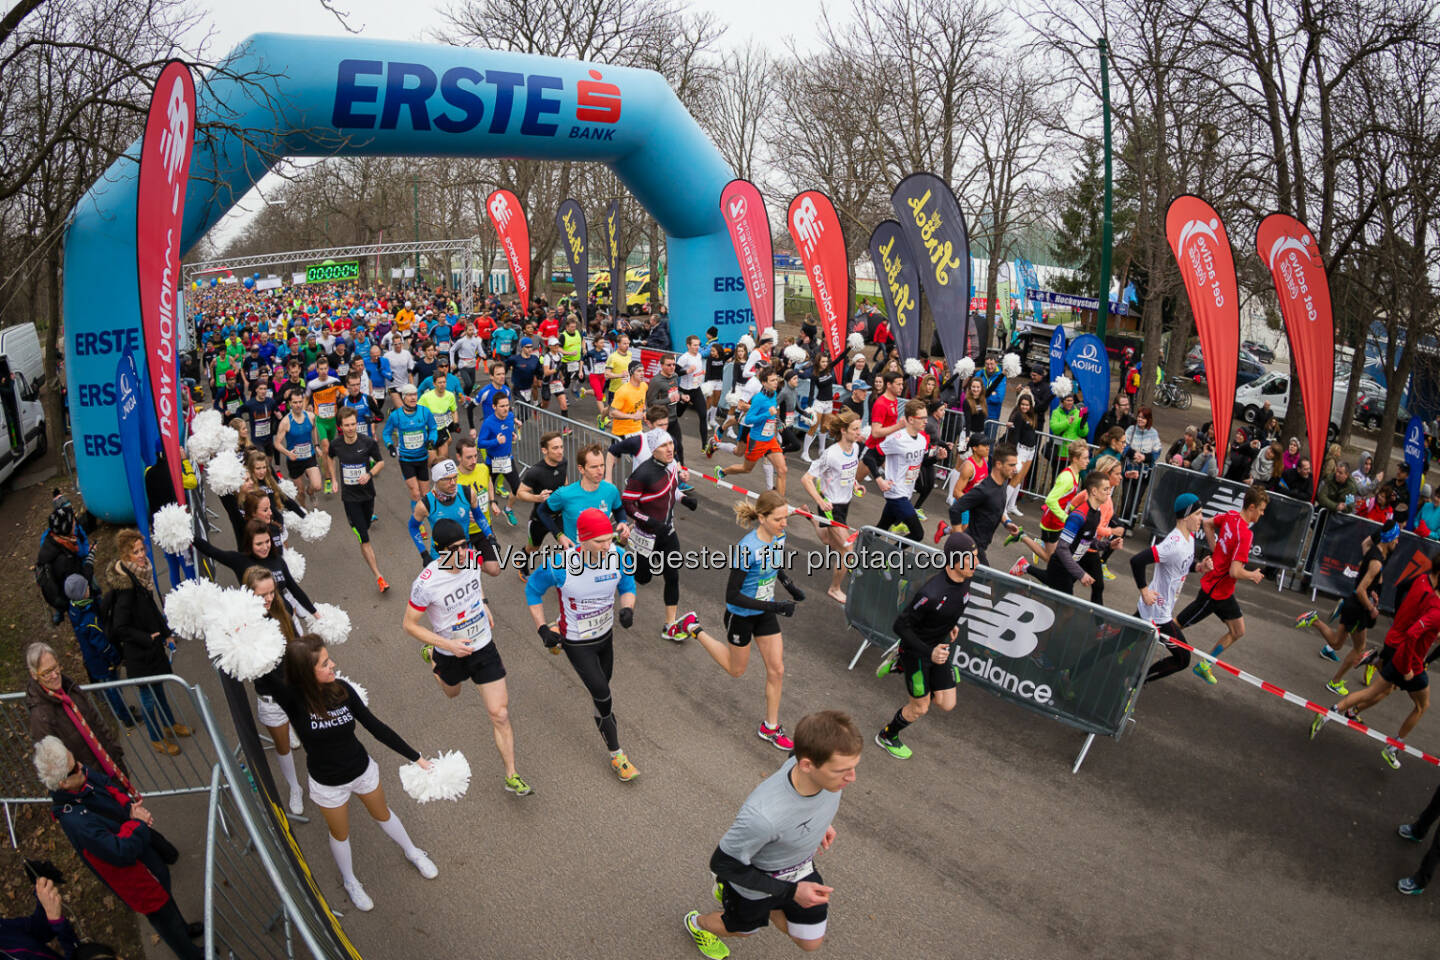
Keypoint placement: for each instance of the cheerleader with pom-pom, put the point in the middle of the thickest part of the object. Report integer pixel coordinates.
(261, 582)
(324, 710)
(260, 551)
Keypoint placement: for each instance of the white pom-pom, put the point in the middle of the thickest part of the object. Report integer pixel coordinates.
(187, 606)
(855, 342)
(747, 341)
(865, 432)
(734, 398)
(314, 526)
(796, 354)
(1062, 387)
(914, 368)
(1010, 365)
(171, 529)
(295, 563)
(807, 417)
(225, 472)
(239, 637)
(227, 438)
(360, 691)
(331, 624)
(288, 489)
(447, 779)
(207, 422)
(202, 446)
(965, 368)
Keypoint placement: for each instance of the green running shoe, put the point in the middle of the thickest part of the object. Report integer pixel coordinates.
(719, 473)
(1307, 619)
(1316, 724)
(1391, 756)
(887, 662)
(1338, 689)
(706, 942)
(1106, 571)
(719, 892)
(1202, 670)
(921, 515)
(518, 786)
(1369, 673)
(894, 747)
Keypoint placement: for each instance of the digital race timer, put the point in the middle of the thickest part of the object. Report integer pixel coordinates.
(322, 272)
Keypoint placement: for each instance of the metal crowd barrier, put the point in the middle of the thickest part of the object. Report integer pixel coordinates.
(1051, 455)
(256, 904)
(538, 422)
(1045, 651)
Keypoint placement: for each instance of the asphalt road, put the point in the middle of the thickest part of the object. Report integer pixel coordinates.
(1213, 827)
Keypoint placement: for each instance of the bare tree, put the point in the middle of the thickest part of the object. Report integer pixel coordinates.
(742, 109)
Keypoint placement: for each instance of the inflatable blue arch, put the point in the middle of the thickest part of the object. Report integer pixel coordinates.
(321, 96)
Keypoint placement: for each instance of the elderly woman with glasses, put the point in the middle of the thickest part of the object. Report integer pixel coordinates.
(117, 840)
(59, 708)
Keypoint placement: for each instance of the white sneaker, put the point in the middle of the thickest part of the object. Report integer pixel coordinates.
(297, 801)
(359, 897)
(424, 865)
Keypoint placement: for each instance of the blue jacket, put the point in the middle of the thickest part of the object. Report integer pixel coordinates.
(26, 937)
(994, 392)
(121, 851)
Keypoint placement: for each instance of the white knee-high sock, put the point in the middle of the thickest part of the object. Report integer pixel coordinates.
(809, 441)
(340, 850)
(395, 830)
(286, 762)
(769, 476)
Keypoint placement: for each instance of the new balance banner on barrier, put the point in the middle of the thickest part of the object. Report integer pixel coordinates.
(899, 276)
(160, 206)
(1057, 363)
(932, 222)
(1090, 367)
(1279, 534)
(815, 228)
(129, 416)
(508, 216)
(1293, 258)
(744, 211)
(615, 260)
(1035, 647)
(1341, 548)
(570, 221)
(1415, 460)
(1207, 265)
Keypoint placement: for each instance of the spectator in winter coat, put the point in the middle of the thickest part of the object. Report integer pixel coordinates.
(1242, 454)
(1067, 422)
(30, 937)
(659, 335)
(1119, 415)
(138, 627)
(1142, 441)
(64, 550)
(993, 379)
(1040, 390)
(1265, 468)
(1297, 481)
(117, 840)
(59, 708)
(1291, 458)
(1337, 491)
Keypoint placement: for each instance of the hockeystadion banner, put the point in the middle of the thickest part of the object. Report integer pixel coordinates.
(508, 216)
(899, 276)
(1279, 534)
(744, 211)
(815, 228)
(160, 205)
(570, 221)
(615, 259)
(1090, 368)
(1290, 252)
(931, 220)
(1337, 558)
(1050, 653)
(1207, 265)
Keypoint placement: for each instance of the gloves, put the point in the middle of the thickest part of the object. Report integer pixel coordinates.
(627, 617)
(795, 591)
(394, 451)
(549, 637)
(689, 502)
(786, 608)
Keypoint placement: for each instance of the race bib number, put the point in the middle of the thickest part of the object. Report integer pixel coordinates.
(412, 439)
(795, 873)
(556, 387)
(641, 542)
(482, 498)
(377, 393)
(911, 472)
(260, 428)
(573, 366)
(475, 632)
(350, 473)
(765, 589)
(790, 419)
(525, 395)
(303, 451)
(594, 619)
(501, 464)
(442, 419)
(231, 406)
(847, 476)
(674, 395)
(325, 411)
(767, 430)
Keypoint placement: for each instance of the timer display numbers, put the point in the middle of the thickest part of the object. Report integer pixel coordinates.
(331, 271)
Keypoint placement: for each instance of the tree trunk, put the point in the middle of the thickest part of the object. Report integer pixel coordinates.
(50, 395)
(992, 280)
(1179, 339)
(1393, 393)
(1352, 389)
(1154, 320)
(653, 256)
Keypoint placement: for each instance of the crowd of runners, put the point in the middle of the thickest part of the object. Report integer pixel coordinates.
(327, 389)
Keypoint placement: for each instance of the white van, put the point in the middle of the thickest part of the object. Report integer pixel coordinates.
(1274, 389)
(22, 419)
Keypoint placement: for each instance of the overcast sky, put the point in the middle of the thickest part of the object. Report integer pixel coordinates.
(764, 21)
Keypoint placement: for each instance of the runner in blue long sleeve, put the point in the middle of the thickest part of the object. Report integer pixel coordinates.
(410, 432)
(497, 439)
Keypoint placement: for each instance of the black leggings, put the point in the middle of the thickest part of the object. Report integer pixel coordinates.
(594, 661)
(695, 400)
(1093, 565)
(675, 434)
(1176, 659)
(646, 567)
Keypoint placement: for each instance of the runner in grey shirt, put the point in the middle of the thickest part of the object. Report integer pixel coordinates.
(764, 866)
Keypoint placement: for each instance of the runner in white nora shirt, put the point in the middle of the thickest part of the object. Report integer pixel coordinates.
(765, 864)
(449, 593)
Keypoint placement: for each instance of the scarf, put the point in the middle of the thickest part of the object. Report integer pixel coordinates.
(112, 770)
(71, 543)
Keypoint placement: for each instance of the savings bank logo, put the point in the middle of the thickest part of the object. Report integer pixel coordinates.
(808, 228)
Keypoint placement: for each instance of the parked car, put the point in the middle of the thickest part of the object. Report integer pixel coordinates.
(1247, 370)
(1370, 407)
(1262, 353)
(1274, 388)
